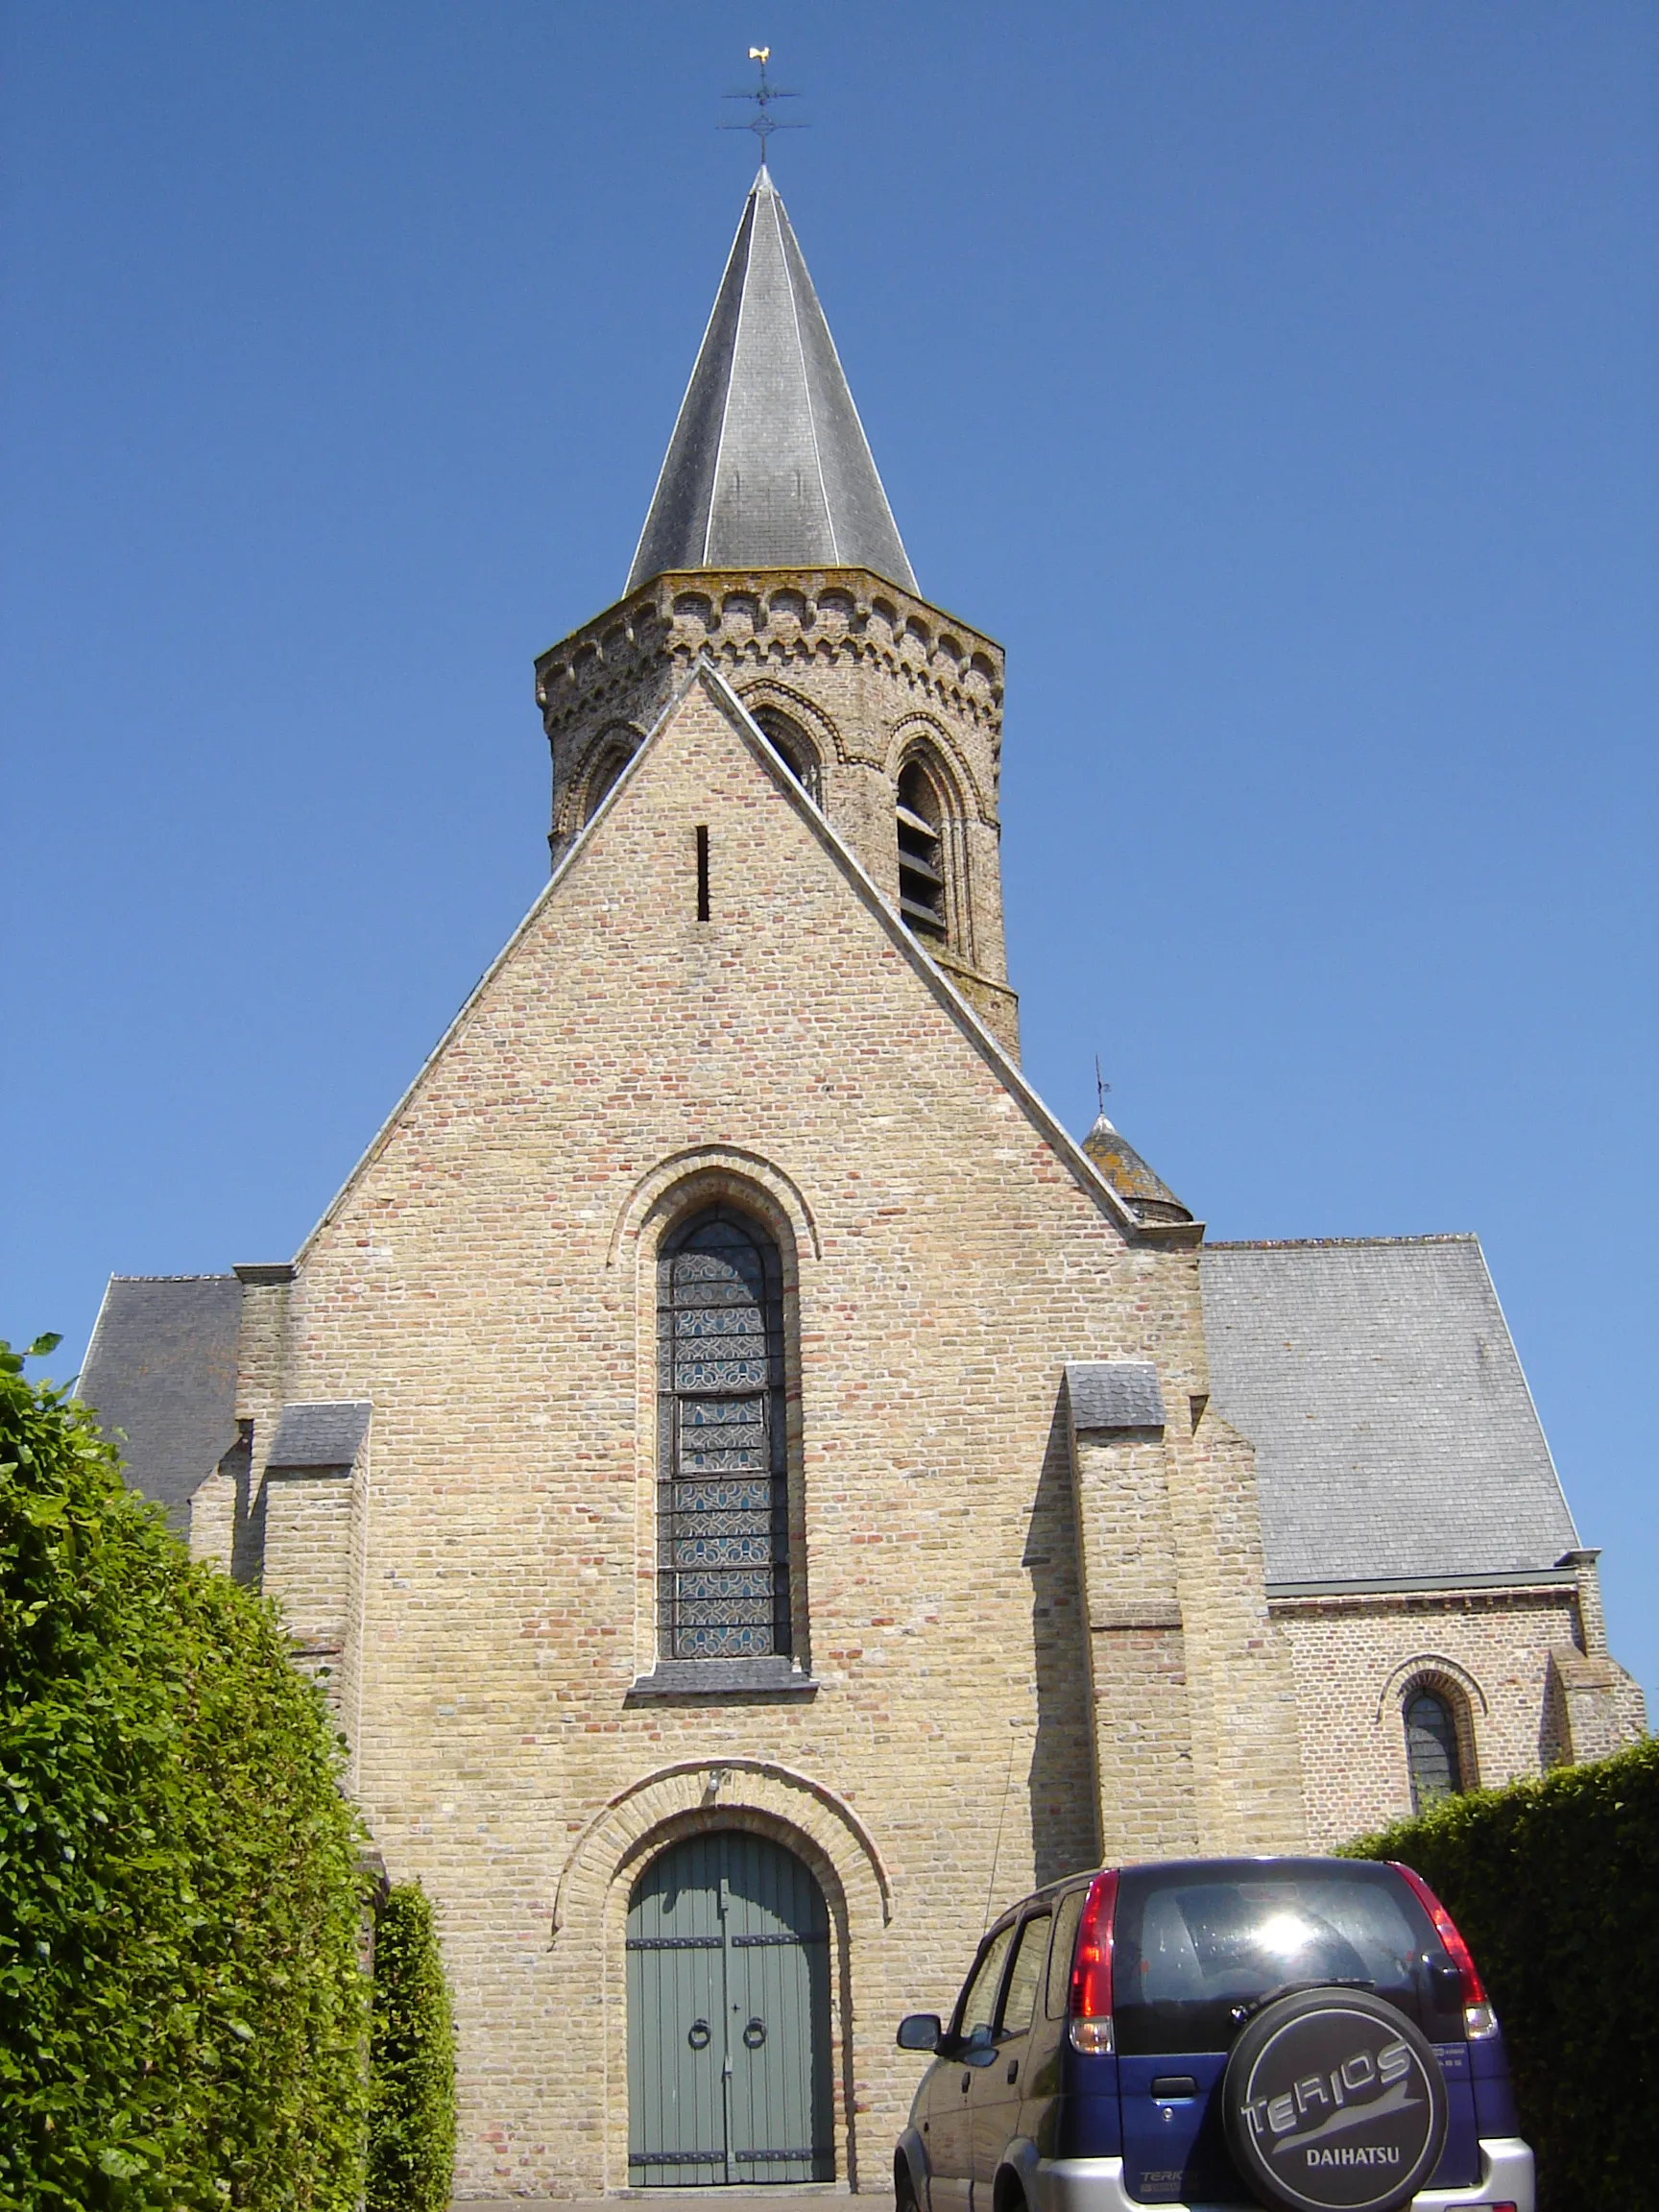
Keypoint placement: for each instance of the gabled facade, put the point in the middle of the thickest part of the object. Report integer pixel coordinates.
(761, 1492)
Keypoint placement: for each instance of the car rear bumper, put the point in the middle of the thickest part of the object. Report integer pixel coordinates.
(1096, 2185)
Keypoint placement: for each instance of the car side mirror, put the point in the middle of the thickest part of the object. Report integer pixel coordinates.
(919, 2031)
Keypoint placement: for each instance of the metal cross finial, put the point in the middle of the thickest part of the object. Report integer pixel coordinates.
(762, 123)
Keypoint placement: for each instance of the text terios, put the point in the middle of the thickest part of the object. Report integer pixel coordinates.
(1342, 2085)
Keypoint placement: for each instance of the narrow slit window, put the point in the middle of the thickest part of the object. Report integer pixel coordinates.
(920, 853)
(723, 1508)
(702, 871)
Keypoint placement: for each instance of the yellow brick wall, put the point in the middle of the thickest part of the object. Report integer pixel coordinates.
(1354, 1658)
(487, 1281)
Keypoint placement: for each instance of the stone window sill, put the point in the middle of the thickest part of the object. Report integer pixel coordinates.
(723, 1678)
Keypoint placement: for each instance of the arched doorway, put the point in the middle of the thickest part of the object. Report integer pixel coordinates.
(729, 2063)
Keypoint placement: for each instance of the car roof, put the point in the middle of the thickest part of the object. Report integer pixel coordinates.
(1234, 1863)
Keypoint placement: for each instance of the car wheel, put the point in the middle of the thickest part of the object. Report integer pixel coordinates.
(1333, 2102)
(903, 2188)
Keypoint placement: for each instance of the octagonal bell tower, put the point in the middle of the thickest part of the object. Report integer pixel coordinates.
(770, 547)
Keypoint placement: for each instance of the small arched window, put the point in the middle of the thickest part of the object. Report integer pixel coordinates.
(920, 820)
(1433, 1756)
(723, 1508)
(799, 755)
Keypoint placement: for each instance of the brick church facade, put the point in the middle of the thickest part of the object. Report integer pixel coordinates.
(744, 1466)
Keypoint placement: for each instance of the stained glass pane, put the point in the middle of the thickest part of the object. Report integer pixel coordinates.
(720, 1374)
(722, 1497)
(719, 1321)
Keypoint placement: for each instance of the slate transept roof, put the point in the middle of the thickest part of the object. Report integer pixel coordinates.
(1396, 1439)
(161, 1367)
(768, 467)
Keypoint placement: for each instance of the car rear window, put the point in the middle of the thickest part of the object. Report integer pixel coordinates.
(1195, 1949)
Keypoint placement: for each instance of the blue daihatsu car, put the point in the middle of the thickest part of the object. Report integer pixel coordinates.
(1305, 2033)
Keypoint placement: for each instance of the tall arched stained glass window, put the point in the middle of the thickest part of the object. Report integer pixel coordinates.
(1431, 1754)
(723, 1555)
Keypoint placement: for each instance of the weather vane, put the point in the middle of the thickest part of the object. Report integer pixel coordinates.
(763, 121)
(1102, 1086)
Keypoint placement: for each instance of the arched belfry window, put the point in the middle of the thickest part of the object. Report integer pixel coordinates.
(921, 819)
(1433, 1755)
(799, 754)
(723, 1511)
(603, 777)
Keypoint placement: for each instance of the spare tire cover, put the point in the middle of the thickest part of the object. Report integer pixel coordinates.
(1332, 2099)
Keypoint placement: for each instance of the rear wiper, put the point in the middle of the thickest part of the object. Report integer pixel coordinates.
(1239, 2013)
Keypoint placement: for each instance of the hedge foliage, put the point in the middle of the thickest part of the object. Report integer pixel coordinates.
(1554, 1885)
(412, 2074)
(183, 2010)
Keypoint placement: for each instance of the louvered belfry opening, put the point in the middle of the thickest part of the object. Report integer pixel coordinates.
(723, 1550)
(921, 853)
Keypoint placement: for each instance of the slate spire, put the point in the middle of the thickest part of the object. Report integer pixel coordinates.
(768, 467)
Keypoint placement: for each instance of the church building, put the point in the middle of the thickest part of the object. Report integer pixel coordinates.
(763, 1494)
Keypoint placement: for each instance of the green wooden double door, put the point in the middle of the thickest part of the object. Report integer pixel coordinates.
(727, 2017)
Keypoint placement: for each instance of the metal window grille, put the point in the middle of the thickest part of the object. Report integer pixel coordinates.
(723, 1549)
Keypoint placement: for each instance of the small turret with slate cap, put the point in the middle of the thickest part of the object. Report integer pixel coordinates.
(1129, 1175)
(768, 467)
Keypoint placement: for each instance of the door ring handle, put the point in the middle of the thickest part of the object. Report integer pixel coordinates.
(700, 2036)
(754, 2035)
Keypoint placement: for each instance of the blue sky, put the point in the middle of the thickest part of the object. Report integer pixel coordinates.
(1277, 381)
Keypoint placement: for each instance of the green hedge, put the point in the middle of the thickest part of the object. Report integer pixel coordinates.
(1555, 1886)
(182, 2009)
(412, 2086)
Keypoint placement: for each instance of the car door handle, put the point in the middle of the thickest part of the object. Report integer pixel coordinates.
(1013, 2069)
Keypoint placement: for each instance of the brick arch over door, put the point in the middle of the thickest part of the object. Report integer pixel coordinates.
(613, 1840)
(591, 1906)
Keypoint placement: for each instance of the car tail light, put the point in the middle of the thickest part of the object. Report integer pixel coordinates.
(1478, 2018)
(1091, 2004)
